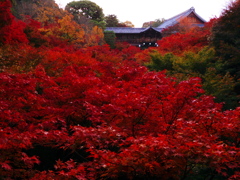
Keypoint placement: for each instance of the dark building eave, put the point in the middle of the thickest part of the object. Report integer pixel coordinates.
(127, 30)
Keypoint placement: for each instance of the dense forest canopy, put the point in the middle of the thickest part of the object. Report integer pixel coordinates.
(42, 11)
(72, 107)
(226, 40)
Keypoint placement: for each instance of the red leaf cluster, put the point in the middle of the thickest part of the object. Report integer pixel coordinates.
(193, 40)
(11, 30)
(110, 122)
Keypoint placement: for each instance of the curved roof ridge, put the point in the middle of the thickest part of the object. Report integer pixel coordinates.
(173, 20)
(150, 27)
(185, 13)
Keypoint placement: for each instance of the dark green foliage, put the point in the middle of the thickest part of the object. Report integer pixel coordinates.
(202, 64)
(221, 87)
(110, 38)
(226, 39)
(111, 20)
(196, 63)
(88, 9)
(161, 62)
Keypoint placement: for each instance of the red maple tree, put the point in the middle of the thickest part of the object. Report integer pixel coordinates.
(11, 30)
(192, 40)
(113, 122)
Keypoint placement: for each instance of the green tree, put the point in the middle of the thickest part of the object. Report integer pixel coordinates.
(111, 20)
(226, 39)
(161, 62)
(158, 22)
(202, 64)
(88, 9)
(155, 23)
(110, 38)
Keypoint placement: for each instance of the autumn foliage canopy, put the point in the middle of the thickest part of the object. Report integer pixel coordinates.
(74, 111)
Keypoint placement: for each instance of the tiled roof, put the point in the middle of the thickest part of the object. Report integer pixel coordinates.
(169, 22)
(174, 20)
(129, 30)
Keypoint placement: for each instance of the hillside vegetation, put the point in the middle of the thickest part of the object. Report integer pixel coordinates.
(72, 107)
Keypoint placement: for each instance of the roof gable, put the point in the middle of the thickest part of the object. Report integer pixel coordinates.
(174, 20)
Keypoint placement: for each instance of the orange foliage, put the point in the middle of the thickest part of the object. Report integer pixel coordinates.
(143, 56)
(19, 58)
(95, 37)
(65, 29)
(48, 12)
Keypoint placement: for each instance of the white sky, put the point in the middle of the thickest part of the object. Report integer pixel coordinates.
(140, 11)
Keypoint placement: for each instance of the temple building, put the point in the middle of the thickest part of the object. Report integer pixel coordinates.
(189, 17)
(137, 36)
(145, 37)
